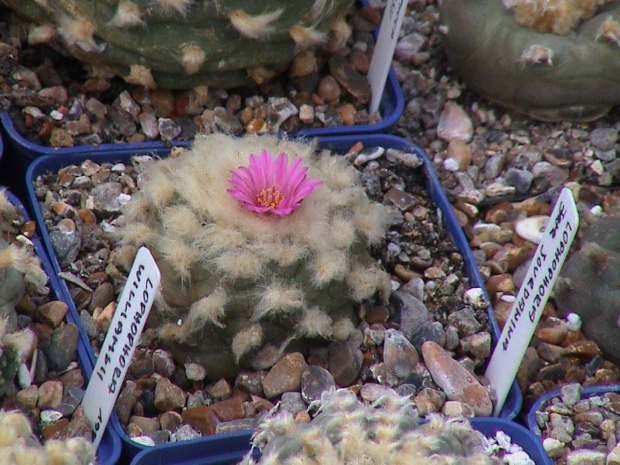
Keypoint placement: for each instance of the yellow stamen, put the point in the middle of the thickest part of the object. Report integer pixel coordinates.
(269, 197)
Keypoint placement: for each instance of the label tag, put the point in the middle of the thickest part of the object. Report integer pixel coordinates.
(120, 342)
(384, 49)
(532, 297)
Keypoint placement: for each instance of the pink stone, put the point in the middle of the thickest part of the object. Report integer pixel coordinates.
(454, 123)
(455, 380)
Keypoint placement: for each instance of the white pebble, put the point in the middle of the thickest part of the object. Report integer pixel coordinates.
(573, 322)
(55, 114)
(532, 228)
(476, 298)
(596, 210)
(144, 440)
(24, 379)
(49, 416)
(450, 164)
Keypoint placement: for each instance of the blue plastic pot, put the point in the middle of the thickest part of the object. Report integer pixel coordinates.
(338, 144)
(24, 151)
(232, 450)
(110, 448)
(540, 403)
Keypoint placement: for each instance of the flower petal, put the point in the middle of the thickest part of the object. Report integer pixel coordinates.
(305, 188)
(281, 172)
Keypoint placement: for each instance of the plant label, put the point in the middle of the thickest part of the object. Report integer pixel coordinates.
(532, 297)
(384, 49)
(120, 342)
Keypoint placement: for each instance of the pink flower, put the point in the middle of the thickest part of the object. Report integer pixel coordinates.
(269, 185)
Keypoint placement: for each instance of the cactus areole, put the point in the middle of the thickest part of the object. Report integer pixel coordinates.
(256, 259)
(180, 44)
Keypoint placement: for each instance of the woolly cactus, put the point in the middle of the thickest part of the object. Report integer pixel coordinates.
(554, 60)
(240, 285)
(20, 269)
(346, 431)
(19, 446)
(588, 285)
(187, 43)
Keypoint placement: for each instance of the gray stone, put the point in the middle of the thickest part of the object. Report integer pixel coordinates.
(168, 129)
(604, 138)
(61, 349)
(315, 380)
(521, 180)
(66, 245)
(226, 122)
(345, 360)
(412, 312)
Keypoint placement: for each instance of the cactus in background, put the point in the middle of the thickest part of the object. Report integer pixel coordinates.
(588, 285)
(20, 270)
(186, 43)
(346, 431)
(19, 446)
(249, 269)
(553, 60)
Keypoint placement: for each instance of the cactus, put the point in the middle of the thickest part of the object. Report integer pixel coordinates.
(188, 43)
(553, 60)
(588, 285)
(240, 286)
(19, 446)
(346, 431)
(20, 270)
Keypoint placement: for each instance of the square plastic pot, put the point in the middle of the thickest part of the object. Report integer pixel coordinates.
(24, 152)
(338, 144)
(233, 449)
(110, 448)
(546, 398)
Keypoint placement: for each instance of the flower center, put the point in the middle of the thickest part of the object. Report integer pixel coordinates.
(269, 197)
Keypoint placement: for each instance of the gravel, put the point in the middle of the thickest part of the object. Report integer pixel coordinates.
(497, 167)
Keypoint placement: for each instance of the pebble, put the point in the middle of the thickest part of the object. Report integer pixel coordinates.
(285, 375)
(168, 396)
(345, 360)
(457, 382)
(61, 349)
(315, 380)
(454, 123)
(532, 228)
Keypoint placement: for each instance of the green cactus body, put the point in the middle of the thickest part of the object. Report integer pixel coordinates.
(588, 285)
(346, 431)
(187, 43)
(240, 287)
(547, 76)
(20, 270)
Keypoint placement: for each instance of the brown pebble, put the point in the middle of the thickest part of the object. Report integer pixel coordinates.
(170, 421)
(329, 89)
(201, 418)
(50, 395)
(87, 216)
(261, 404)
(347, 114)
(55, 429)
(500, 283)
(302, 417)
(460, 152)
(285, 375)
(220, 389)
(168, 396)
(229, 409)
(73, 378)
(583, 349)
(52, 313)
(29, 229)
(26, 399)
